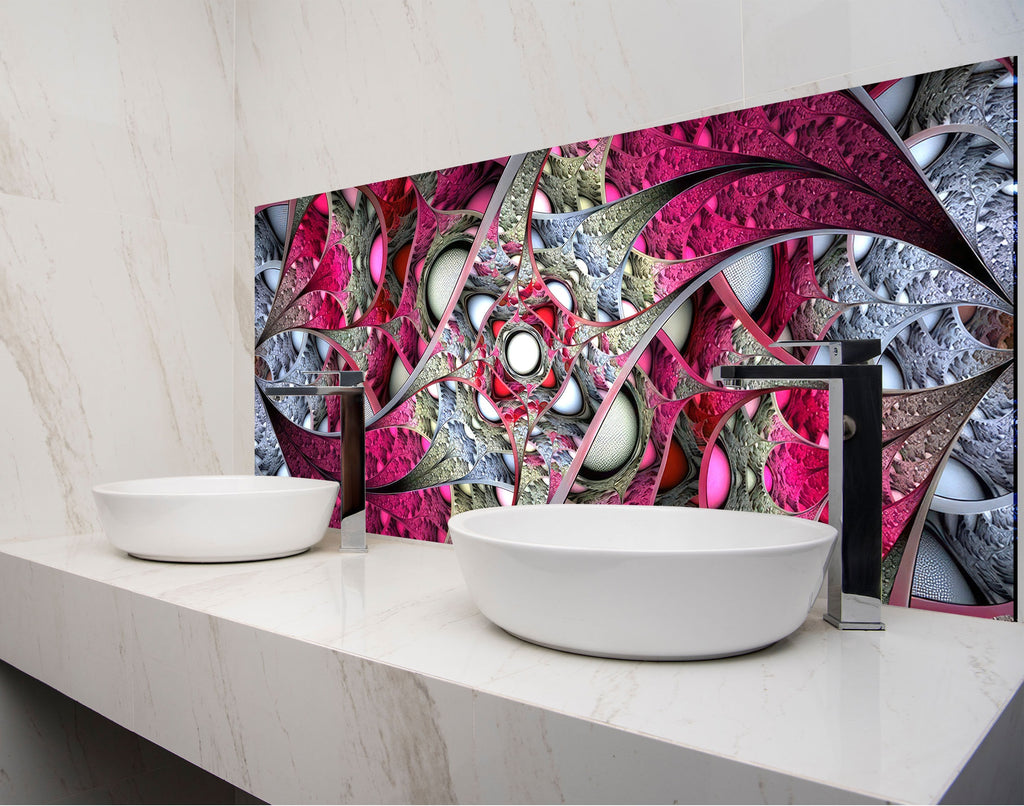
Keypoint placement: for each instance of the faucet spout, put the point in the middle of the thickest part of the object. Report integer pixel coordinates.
(855, 469)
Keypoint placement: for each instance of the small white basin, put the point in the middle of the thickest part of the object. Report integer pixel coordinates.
(646, 583)
(210, 519)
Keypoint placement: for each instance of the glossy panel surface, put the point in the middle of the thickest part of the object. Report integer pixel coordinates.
(539, 328)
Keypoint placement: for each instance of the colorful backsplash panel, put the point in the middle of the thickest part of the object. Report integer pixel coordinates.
(541, 328)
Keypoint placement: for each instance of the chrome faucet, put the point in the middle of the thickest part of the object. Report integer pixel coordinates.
(352, 465)
(854, 468)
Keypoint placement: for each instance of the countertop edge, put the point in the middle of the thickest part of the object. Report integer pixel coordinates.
(495, 747)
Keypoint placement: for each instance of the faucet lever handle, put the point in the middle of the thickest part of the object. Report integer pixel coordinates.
(846, 351)
(350, 377)
(347, 378)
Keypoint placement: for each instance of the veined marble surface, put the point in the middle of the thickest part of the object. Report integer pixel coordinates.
(117, 304)
(373, 678)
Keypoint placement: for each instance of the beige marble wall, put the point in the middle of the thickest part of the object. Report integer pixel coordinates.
(116, 309)
(334, 94)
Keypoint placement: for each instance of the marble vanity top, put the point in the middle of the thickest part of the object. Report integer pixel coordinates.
(373, 678)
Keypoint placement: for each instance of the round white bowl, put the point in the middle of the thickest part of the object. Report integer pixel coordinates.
(645, 583)
(209, 519)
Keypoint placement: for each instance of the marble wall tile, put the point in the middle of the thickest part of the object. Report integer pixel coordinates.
(386, 89)
(115, 341)
(819, 45)
(120, 106)
(115, 221)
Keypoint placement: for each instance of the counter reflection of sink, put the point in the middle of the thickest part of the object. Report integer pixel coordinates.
(647, 583)
(215, 518)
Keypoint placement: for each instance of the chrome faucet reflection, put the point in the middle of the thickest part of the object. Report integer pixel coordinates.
(348, 387)
(855, 467)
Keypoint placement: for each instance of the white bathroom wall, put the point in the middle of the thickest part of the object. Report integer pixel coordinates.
(116, 311)
(116, 318)
(334, 94)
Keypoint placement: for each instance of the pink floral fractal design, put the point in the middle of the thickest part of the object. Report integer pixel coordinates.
(541, 328)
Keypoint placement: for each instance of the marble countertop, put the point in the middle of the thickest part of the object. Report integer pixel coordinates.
(373, 678)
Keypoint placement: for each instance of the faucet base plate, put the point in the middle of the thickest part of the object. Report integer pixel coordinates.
(853, 625)
(353, 532)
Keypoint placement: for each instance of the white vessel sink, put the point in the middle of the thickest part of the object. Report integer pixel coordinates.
(646, 583)
(209, 519)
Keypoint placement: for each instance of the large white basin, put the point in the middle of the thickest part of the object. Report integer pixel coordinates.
(209, 519)
(647, 583)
